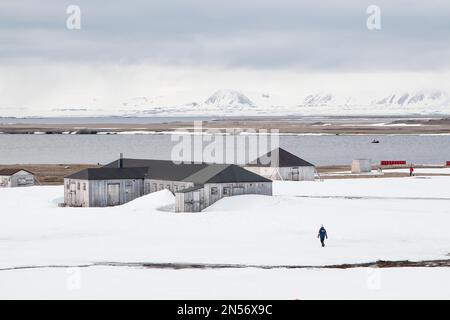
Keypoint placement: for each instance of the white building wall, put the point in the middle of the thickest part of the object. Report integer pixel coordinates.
(361, 166)
(76, 192)
(5, 181)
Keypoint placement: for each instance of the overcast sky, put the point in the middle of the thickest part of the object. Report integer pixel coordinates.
(167, 44)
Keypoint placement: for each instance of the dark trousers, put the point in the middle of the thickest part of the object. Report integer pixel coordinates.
(322, 241)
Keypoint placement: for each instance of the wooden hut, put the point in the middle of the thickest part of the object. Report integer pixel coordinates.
(280, 164)
(10, 178)
(361, 166)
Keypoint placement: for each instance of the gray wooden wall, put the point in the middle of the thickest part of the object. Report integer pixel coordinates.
(96, 193)
(152, 185)
(199, 199)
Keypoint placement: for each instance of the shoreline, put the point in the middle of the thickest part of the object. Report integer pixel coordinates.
(282, 126)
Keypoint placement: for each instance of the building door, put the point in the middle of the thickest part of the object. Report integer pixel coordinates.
(113, 194)
(196, 201)
(295, 173)
(72, 194)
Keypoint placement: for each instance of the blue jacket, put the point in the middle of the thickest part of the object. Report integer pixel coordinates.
(322, 234)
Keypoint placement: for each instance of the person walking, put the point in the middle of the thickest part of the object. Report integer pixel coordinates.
(411, 171)
(322, 235)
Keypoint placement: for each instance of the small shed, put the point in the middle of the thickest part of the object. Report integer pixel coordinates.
(361, 166)
(280, 164)
(10, 178)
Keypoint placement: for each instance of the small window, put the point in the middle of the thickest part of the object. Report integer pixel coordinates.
(175, 188)
(161, 186)
(78, 186)
(84, 186)
(168, 186)
(214, 191)
(226, 191)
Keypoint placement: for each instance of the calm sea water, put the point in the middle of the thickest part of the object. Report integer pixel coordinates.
(321, 150)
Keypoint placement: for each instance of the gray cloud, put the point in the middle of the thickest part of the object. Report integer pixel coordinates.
(301, 35)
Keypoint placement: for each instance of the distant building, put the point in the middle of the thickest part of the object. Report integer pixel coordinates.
(361, 166)
(10, 178)
(196, 186)
(280, 164)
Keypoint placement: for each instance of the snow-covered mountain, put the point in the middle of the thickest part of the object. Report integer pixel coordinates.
(237, 103)
(423, 98)
(318, 99)
(402, 102)
(228, 100)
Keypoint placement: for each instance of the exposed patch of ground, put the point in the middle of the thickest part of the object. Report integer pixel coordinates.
(335, 126)
(50, 174)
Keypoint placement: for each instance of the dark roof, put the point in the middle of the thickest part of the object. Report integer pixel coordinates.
(224, 173)
(281, 158)
(109, 174)
(10, 172)
(199, 174)
(135, 163)
(161, 169)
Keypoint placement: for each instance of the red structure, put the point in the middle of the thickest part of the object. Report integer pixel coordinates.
(393, 163)
(448, 164)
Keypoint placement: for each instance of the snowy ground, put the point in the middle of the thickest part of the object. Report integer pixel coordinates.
(422, 170)
(117, 283)
(367, 220)
(417, 171)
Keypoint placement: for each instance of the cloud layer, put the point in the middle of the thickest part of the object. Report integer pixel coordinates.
(174, 47)
(306, 35)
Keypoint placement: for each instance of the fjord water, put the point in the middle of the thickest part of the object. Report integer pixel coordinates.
(320, 149)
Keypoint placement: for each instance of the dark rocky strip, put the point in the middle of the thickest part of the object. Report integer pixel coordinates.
(376, 264)
(206, 266)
